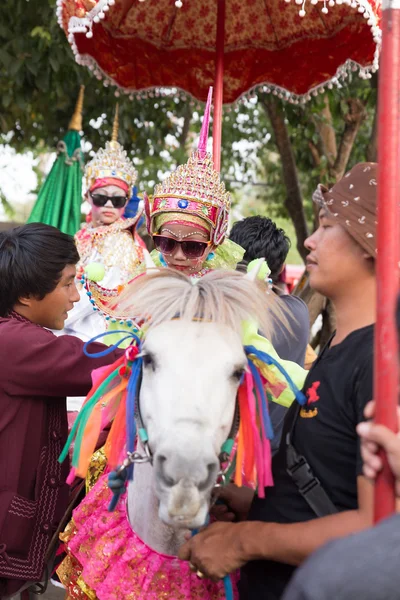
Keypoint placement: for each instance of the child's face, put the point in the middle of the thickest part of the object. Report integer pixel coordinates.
(107, 214)
(177, 259)
(52, 311)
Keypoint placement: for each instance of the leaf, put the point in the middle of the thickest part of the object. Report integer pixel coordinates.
(42, 33)
(42, 80)
(6, 100)
(33, 66)
(5, 58)
(15, 66)
(55, 65)
(7, 207)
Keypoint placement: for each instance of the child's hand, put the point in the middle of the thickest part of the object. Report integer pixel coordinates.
(374, 437)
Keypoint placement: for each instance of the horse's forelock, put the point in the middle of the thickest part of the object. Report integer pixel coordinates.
(225, 297)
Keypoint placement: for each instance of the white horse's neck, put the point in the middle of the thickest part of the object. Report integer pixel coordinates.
(143, 514)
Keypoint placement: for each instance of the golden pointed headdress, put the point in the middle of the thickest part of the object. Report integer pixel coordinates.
(194, 189)
(111, 162)
(75, 123)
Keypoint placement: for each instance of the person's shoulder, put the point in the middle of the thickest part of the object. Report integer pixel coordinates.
(14, 326)
(16, 334)
(294, 303)
(296, 309)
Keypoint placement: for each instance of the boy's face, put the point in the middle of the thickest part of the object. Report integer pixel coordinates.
(335, 259)
(107, 214)
(52, 311)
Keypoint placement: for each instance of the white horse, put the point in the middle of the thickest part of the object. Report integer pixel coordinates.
(193, 363)
(192, 367)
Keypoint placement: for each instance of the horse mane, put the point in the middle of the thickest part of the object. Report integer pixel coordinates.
(221, 296)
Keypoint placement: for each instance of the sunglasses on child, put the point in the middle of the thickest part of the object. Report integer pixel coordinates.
(190, 248)
(100, 200)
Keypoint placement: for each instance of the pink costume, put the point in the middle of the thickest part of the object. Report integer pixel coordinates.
(118, 565)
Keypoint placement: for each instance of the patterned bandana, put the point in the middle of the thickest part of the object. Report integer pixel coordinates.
(104, 181)
(353, 203)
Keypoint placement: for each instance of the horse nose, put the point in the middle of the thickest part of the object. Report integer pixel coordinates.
(201, 478)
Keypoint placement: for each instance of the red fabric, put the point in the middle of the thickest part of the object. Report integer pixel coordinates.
(265, 42)
(100, 183)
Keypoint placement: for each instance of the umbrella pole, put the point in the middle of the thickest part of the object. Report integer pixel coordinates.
(219, 85)
(386, 374)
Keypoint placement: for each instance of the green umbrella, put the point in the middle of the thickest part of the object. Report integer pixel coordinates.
(60, 198)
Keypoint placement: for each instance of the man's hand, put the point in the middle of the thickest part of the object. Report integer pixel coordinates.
(236, 502)
(217, 550)
(374, 437)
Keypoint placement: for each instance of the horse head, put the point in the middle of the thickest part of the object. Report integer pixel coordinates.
(193, 362)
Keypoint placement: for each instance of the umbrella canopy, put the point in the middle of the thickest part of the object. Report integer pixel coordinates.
(141, 45)
(59, 200)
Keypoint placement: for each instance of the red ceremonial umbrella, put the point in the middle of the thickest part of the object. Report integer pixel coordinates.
(291, 49)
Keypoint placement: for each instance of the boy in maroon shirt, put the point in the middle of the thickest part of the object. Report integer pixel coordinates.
(37, 371)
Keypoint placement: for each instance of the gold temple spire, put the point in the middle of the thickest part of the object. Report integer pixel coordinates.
(114, 135)
(76, 121)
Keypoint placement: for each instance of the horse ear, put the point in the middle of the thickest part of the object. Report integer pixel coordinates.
(255, 269)
(149, 262)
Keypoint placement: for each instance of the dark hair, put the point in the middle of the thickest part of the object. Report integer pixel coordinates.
(261, 238)
(32, 258)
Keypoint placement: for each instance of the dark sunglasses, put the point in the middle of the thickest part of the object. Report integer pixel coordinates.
(190, 248)
(100, 200)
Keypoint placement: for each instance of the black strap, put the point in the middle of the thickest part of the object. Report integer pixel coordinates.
(301, 473)
(306, 482)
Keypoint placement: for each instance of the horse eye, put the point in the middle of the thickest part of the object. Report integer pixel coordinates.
(148, 361)
(238, 374)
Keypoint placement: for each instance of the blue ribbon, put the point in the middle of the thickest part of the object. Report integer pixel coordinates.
(128, 335)
(269, 360)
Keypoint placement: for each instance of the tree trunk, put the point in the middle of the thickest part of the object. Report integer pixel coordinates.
(294, 200)
(372, 148)
(327, 134)
(353, 119)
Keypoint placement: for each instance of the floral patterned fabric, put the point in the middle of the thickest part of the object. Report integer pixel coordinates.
(108, 561)
(116, 246)
(265, 43)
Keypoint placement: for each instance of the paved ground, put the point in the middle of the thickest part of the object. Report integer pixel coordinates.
(53, 593)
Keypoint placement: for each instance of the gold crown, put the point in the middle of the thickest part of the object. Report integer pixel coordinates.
(196, 180)
(111, 161)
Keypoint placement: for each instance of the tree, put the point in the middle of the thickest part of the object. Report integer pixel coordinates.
(278, 151)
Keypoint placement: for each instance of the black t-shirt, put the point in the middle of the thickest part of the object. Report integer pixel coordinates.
(337, 388)
(290, 344)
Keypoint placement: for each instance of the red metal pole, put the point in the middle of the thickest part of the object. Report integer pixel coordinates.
(219, 85)
(386, 357)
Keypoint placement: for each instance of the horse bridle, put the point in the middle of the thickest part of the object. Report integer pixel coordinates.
(137, 457)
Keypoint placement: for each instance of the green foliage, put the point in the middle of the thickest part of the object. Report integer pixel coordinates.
(8, 209)
(39, 84)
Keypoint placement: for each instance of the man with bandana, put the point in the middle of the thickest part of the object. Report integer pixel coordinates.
(320, 492)
(365, 565)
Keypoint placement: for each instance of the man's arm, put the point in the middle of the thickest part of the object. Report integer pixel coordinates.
(294, 542)
(46, 365)
(224, 547)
